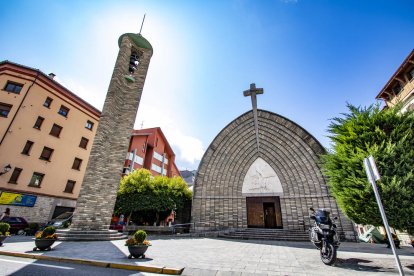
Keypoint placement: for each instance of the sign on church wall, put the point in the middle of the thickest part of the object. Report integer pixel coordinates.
(261, 180)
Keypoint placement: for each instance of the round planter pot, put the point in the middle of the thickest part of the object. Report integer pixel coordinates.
(137, 251)
(2, 238)
(43, 244)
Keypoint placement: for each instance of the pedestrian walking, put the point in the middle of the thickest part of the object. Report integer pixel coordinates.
(5, 214)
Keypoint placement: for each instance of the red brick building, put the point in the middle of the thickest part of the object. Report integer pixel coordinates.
(150, 150)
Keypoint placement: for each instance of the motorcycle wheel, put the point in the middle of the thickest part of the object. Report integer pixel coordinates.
(329, 257)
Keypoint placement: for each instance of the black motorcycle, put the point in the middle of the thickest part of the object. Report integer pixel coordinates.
(323, 235)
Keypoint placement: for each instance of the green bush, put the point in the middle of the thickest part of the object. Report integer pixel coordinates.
(66, 224)
(140, 236)
(4, 228)
(48, 231)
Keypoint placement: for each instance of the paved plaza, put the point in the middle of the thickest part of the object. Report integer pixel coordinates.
(208, 256)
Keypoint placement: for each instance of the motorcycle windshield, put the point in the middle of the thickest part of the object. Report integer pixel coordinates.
(322, 216)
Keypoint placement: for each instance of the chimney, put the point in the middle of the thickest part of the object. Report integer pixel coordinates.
(51, 76)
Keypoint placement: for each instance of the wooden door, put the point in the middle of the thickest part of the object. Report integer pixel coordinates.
(264, 212)
(254, 212)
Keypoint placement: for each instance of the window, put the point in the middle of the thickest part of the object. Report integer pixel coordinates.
(69, 186)
(83, 143)
(27, 147)
(397, 88)
(55, 131)
(13, 87)
(39, 122)
(5, 109)
(36, 179)
(63, 111)
(48, 102)
(411, 74)
(15, 175)
(89, 125)
(46, 154)
(76, 164)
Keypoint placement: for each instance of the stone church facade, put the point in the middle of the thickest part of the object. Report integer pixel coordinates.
(240, 185)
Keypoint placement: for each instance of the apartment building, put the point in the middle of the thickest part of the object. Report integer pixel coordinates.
(400, 87)
(150, 150)
(46, 134)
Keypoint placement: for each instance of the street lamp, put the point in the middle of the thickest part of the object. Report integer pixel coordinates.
(6, 168)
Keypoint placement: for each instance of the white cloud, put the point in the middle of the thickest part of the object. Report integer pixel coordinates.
(88, 93)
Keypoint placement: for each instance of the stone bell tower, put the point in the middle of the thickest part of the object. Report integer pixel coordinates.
(98, 192)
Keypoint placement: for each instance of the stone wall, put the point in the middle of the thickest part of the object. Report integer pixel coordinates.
(41, 212)
(291, 152)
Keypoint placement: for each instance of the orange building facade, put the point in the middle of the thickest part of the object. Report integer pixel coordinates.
(150, 150)
(46, 135)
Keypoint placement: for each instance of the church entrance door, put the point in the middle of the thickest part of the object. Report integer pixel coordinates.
(264, 212)
(269, 215)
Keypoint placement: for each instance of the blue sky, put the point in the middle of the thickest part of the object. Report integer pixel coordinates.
(310, 56)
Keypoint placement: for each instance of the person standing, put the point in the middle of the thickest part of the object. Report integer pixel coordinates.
(5, 214)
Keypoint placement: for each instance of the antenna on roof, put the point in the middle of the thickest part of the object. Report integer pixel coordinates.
(142, 24)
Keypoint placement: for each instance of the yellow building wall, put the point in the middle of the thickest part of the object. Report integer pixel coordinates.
(59, 169)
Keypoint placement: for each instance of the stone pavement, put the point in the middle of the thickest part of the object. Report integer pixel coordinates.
(208, 256)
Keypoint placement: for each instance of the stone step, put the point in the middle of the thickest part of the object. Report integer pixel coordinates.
(93, 235)
(266, 234)
(264, 238)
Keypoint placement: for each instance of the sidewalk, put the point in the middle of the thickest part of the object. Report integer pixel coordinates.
(203, 256)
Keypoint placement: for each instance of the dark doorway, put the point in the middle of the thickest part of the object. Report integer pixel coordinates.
(269, 214)
(264, 212)
(60, 210)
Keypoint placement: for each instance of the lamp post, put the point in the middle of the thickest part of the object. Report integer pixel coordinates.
(6, 169)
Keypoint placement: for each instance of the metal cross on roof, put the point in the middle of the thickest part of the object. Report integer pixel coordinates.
(252, 92)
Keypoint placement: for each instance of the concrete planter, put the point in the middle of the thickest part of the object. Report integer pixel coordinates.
(2, 238)
(137, 251)
(43, 244)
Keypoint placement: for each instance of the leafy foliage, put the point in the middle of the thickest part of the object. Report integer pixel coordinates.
(388, 136)
(47, 233)
(140, 236)
(4, 229)
(140, 191)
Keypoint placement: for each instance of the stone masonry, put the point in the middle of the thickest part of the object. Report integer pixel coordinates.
(98, 192)
(290, 150)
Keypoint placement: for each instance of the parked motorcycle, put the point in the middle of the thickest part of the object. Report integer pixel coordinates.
(323, 235)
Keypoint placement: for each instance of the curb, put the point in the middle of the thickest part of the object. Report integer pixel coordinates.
(142, 268)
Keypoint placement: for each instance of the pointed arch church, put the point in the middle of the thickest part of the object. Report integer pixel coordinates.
(261, 171)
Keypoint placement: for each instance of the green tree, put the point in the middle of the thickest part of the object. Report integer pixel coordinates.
(140, 191)
(388, 136)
